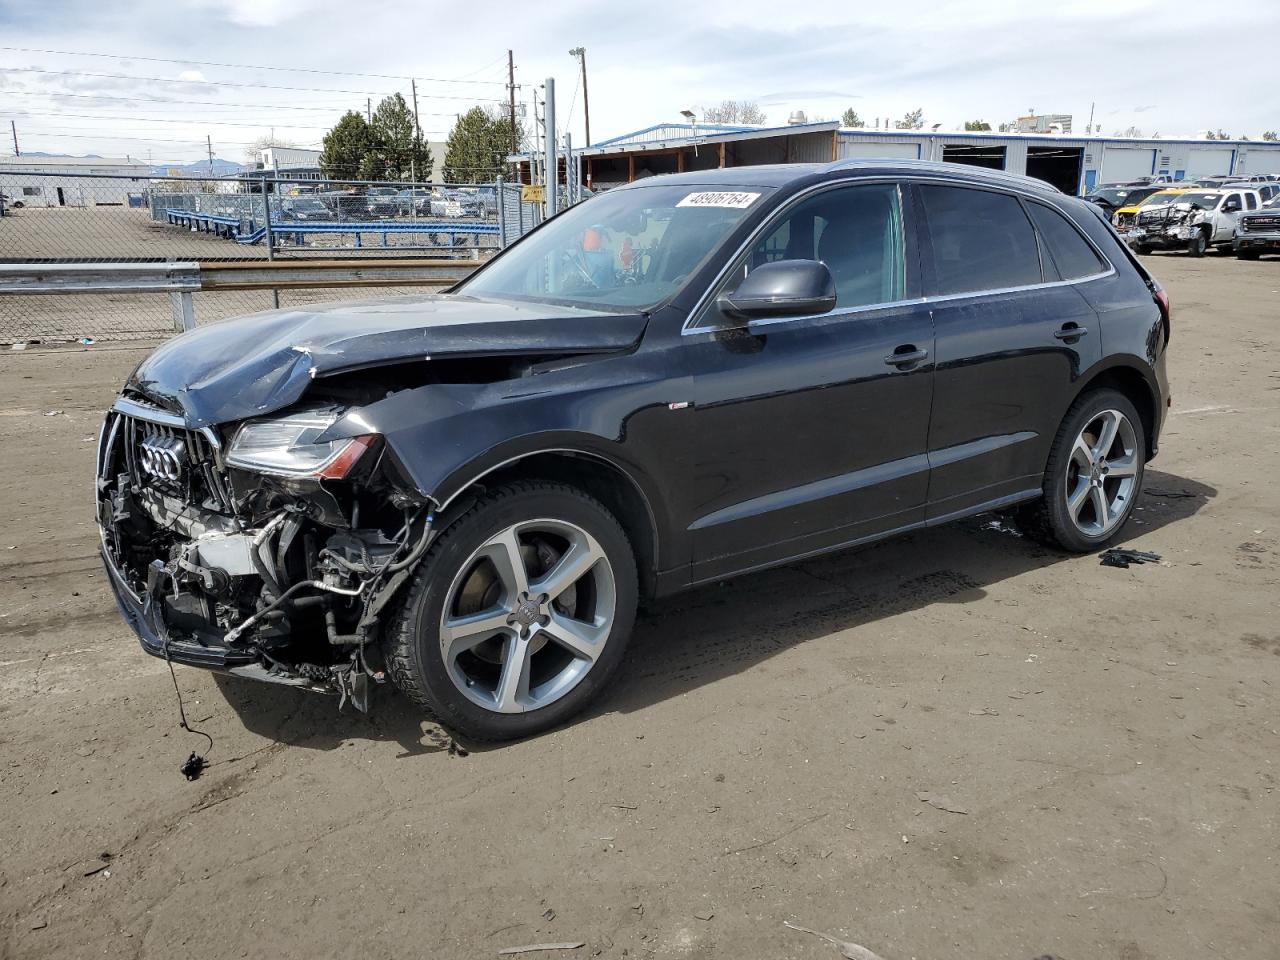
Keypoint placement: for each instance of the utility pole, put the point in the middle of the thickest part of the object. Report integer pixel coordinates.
(417, 133)
(14, 127)
(511, 92)
(549, 138)
(581, 54)
(208, 140)
(368, 110)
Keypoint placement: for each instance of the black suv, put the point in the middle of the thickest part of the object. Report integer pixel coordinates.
(674, 382)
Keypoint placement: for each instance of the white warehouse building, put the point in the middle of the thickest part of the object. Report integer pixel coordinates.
(1073, 163)
(26, 180)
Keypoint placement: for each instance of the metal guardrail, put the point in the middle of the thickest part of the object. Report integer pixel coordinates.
(182, 279)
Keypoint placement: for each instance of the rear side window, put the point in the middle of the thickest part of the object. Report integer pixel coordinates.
(1066, 252)
(1250, 201)
(979, 240)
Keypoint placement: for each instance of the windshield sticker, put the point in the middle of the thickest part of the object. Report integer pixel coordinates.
(733, 200)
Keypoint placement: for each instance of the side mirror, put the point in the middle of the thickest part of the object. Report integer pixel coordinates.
(1231, 206)
(784, 288)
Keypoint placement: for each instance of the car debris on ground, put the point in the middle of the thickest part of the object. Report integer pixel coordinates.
(1122, 557)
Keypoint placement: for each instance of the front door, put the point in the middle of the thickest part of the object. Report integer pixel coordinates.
(811, 431)
(1013, 336)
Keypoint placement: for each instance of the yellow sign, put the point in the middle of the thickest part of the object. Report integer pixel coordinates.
(535, 193)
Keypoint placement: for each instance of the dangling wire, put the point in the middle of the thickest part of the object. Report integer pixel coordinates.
(194, 764)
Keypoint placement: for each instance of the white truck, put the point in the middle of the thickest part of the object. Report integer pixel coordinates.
(1192, 221)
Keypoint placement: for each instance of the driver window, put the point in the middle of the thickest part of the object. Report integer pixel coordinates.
(855, 231)
(1234, 198)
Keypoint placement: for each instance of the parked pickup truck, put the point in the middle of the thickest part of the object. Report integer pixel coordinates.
(1193, 221)
(1259, 232)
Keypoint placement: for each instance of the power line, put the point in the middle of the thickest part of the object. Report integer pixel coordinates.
(232, 83)
(193, 121)
(195, 103)
(259, 66)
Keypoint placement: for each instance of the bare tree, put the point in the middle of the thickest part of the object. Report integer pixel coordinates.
(734, 111)
(252, 151)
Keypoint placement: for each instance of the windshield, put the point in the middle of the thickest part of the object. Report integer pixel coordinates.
(1114, 195)
(1206, 200)
(1164, 196)
(628, 248)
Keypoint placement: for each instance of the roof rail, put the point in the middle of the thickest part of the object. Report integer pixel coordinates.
(936, 166)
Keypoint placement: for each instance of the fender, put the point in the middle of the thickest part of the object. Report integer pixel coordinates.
(613, 410)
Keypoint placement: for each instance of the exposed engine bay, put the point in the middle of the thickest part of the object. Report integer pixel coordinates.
(277, 577)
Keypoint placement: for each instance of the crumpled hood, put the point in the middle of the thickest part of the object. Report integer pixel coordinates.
(263, 362)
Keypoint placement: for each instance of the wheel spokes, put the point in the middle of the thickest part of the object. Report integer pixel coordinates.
(1082, 454)
(513, 685)
(1106, 435)
(1101, 514)
(1126, 466)
(1077, 498)
(577, 561)
(459, 634)
(503, 551)
(582, 639)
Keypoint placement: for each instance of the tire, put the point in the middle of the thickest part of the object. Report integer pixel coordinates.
(1060, 518)
(1198, 244)
(1143, 248)
(568, 654)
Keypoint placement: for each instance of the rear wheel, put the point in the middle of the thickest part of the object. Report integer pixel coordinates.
(1093, 476)
(1142, 248)
(519, 615)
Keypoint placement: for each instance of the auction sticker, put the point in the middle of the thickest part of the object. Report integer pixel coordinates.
(732, 199)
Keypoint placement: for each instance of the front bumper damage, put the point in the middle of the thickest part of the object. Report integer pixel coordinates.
(1165, 230)
(272, 579)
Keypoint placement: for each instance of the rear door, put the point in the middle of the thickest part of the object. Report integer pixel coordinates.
(811, 431)
(1012, 336)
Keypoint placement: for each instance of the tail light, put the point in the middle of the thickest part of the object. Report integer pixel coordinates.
(1166, 310)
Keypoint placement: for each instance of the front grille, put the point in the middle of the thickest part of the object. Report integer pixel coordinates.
(169, 458)
(1152, 217)
(1260, 223)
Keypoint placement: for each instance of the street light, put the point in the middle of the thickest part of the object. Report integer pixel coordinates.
(693, 122)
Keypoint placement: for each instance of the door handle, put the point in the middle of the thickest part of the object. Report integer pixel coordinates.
(1071, 332)
(906, 356)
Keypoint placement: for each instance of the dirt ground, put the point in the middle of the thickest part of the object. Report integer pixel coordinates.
(1111, 734)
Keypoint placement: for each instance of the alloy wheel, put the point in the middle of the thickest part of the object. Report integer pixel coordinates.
(528, 615)
(1102, 474)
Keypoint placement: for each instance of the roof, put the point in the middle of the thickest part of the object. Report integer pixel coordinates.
(850, 133)
(783, 174)
(673, 136)
(34, 162)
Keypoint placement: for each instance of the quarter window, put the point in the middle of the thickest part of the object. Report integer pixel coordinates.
(979, 240)
(1250, 201)
(855, 231)
(1063, 246)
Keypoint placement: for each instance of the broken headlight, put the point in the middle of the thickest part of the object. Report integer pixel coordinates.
(287, 446)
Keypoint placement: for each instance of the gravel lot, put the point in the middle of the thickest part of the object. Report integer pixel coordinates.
(1112, 735)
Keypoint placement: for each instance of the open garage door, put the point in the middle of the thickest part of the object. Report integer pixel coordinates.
(861, 148)
(1127, 163)
(1209, 161)
(1059, 166)
(990, 157)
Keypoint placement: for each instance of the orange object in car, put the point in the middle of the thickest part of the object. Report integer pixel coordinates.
(592, 240)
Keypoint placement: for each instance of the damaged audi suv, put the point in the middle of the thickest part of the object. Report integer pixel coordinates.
(677, 381)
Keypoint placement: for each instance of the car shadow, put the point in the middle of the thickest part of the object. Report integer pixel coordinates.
(698, 637)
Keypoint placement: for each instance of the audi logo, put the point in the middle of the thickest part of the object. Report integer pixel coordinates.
(163, 457)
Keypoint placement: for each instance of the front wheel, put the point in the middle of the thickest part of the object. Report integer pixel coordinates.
(519, 614)
(1093, 476)
(1198, 244)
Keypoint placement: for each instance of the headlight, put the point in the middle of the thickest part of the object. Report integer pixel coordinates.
(286, 446)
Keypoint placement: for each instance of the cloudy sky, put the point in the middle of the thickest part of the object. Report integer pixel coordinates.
(292, 66)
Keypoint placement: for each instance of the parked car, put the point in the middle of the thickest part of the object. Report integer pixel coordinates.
(1266, 189)
(1112, 196)
(1195, 221)
(1123, 217)
(1259, 232)
(345, 204)
(304, 208)
(456, 203)
(414, 202)
(692, 377)
(382, 202)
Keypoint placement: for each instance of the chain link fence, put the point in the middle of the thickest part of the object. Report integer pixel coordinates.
(48, 217)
